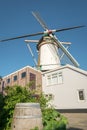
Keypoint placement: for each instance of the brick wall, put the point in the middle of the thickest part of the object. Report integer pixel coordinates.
(22, 77)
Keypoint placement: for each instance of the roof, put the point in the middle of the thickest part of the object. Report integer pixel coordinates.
(20, 70)
(69, 67)
(58, 68)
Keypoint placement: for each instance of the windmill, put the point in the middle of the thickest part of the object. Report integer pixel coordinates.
(48, 46)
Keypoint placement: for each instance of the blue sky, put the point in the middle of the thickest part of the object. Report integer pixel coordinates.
(16, 19)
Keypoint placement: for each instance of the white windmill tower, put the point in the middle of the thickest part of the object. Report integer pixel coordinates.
(48, 56)
(48, 46)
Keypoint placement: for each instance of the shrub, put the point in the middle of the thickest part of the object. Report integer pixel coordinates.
(52, 120)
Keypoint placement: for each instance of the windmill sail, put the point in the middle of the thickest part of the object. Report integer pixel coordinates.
(72, 59)
(47, 46)
(39, 19)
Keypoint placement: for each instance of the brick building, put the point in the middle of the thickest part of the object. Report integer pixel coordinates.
(22, 77)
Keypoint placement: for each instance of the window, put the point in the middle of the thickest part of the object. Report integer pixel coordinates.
(8, 80)
(60, 78)
(15, 77)
(49, 80)
(55, 78)
(32, 81)
(49, 96)
(3, 85)
(81, 95)
(23, 75)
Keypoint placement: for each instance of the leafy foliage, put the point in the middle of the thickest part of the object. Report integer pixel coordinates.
(15, 94)
(52, 120)
(36, 128)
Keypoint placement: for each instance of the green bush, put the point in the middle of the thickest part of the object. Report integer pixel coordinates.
(15, 94)
(52, 120)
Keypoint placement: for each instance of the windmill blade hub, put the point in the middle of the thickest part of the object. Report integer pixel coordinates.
(49, 31)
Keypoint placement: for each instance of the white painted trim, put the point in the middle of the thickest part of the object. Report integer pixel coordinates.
(20, 70)
(68, 66)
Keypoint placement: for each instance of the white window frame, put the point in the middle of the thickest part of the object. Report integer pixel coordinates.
(49, 95)
(60, 78)
(48, 80)
(54, 78)
(83, 95)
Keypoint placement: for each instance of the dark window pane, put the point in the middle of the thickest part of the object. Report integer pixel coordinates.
(32, 81)
(3, 85)
(15, 77)
(23, 75)
(8, 80)
(81, 95)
